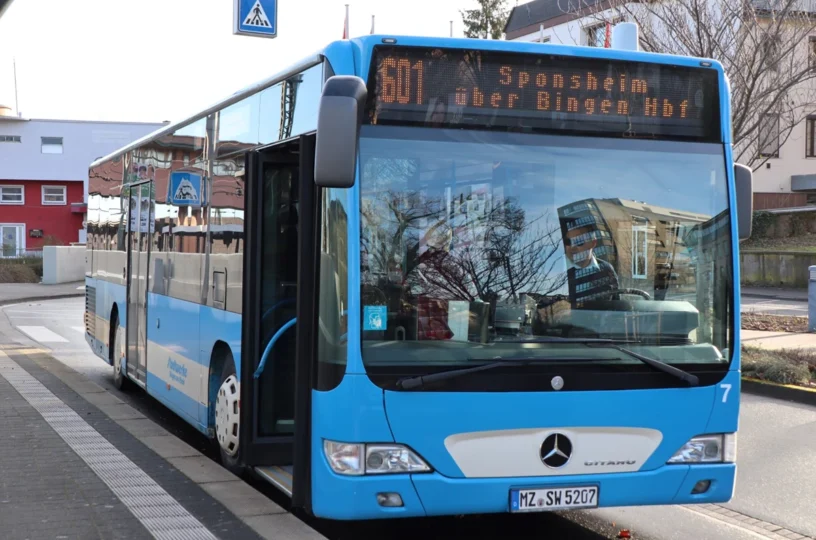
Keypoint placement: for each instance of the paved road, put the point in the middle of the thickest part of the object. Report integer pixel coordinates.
(777, 449)
(774, 306)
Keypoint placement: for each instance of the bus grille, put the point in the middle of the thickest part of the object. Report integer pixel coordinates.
(90, 310)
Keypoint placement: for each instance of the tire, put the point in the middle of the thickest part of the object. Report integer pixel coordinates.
(120, 380)
(228, 417)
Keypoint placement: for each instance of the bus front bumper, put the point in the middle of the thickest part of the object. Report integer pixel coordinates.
(351, 498)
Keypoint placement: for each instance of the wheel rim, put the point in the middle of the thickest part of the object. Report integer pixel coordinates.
(227, 414)
(117, 355)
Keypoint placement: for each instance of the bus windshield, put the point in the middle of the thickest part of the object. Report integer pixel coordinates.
(476, 244)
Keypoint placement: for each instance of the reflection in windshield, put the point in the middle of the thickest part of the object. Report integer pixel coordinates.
(471, 238)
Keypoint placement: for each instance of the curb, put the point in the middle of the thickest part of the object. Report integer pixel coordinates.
(36, 298)
(787, 392)
(774, 296)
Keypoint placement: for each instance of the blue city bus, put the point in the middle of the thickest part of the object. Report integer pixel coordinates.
(416, 276)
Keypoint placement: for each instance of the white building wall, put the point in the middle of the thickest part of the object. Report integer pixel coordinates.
(775, 175)
(82, 143)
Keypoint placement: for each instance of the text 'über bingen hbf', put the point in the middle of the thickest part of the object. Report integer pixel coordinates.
(401, 83)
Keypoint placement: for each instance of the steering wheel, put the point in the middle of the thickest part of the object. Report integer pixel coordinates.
(636, 292)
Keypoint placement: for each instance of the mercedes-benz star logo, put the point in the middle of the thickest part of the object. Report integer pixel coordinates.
(556, 450)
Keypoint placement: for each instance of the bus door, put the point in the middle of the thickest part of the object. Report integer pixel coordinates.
(279, 289)
(140, 226)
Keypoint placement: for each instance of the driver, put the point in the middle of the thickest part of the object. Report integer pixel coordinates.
(589, 277)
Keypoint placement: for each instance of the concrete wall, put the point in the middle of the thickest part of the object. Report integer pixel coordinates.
(63, 264)
(776, 268)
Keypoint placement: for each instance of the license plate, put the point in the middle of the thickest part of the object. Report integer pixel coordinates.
(546, 499)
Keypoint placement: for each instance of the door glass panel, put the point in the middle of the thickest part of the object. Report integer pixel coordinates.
(279, 263)
(140, 227)
(9, 240)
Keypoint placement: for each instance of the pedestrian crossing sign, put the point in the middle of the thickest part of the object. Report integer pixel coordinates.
(184, 189)
(255, 18)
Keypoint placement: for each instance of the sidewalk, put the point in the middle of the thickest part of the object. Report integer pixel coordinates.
(81, 463)
(798, 295)
(778, 340)
(25, 292)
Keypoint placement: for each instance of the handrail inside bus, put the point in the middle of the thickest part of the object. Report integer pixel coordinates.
(282, 302)
(271, 344)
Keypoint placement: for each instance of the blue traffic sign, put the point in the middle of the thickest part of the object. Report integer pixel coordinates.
(255, 18)
(184, 189)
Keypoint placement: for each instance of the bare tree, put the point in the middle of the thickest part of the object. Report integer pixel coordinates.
(763, 45)
(498, 255)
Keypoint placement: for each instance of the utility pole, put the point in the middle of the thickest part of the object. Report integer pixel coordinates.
(16, 100)
(451, 29)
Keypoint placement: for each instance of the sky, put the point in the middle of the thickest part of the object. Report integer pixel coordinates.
(156, 60)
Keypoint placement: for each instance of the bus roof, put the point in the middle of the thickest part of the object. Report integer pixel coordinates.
(366, 44)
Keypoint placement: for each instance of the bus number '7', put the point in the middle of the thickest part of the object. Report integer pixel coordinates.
(726, 388)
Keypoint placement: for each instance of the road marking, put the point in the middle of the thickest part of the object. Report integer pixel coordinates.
(80, 329)
(160, 513)
(42, 334)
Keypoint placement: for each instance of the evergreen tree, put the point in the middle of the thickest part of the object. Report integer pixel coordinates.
(486, 22)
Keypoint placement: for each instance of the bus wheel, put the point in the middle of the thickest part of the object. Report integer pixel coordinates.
(120, 381)
(228, 417)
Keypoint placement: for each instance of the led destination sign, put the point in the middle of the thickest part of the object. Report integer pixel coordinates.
(534, 92)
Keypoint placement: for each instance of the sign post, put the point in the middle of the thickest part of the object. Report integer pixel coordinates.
(812, 299)
(257, 18)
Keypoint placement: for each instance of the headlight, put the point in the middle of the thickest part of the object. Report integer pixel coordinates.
(721, 448)
(347, 458)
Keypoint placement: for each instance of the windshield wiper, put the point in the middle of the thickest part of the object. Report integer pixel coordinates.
(409, 383)
(556, 339)
(688, 378)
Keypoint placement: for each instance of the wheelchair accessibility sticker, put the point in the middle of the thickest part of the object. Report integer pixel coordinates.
(375, 317)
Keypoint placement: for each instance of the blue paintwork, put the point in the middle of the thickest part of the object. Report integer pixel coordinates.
(179, 325)
(669, 484)
(358, 411)
(107, 295)
(219, 325)
(423, 420)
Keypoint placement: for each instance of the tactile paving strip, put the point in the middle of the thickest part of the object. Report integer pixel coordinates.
(163, 516)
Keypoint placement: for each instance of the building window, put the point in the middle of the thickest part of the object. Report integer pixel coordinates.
(812, 51)
(769, 136)
(810, 136)
(596, 35)
(10, 138)
(12, 240)
(52, 145)
(53, 195)
(771, 52)
(12, 195)
(639, 251)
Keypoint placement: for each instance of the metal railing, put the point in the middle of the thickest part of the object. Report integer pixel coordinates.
(789, 6)
(11, 253)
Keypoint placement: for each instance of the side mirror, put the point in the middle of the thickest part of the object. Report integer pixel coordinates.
(339, 117)
(744, 187)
